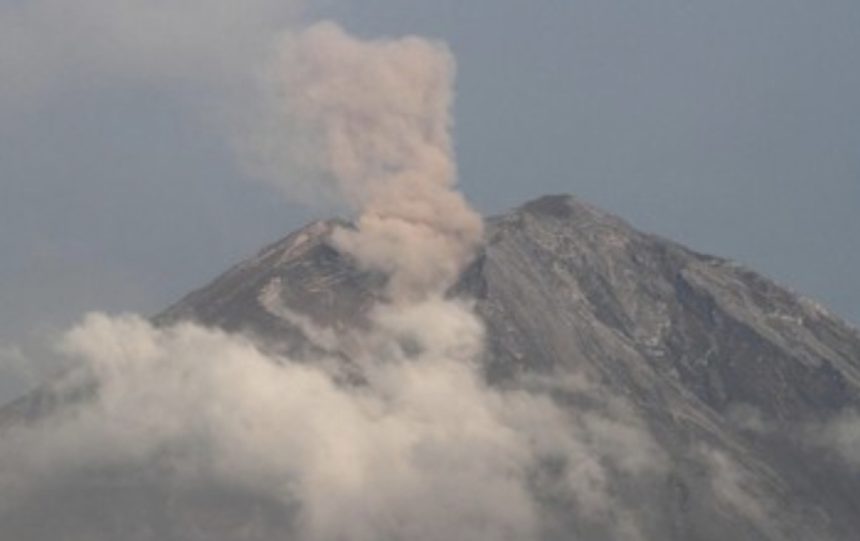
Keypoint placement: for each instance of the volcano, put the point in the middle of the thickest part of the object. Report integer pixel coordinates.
(748, 390)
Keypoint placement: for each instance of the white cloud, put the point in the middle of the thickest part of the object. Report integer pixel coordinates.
(842, 436)
(424, 450)
(16, 370)
(421, 449)
(734, 487)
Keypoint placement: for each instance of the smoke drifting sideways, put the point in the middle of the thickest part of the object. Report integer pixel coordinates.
(198, 47)
(405, 440)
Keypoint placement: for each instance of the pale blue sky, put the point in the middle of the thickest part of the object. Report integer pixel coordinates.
(732, 126)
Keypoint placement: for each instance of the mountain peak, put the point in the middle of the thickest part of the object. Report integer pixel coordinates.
(564, 207)
(738, 380)
(698, 346)
(600, 282)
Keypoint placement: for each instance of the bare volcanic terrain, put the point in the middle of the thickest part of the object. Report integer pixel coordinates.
(705, 402)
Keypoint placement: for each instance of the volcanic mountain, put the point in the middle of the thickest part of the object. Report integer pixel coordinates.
(748, 391)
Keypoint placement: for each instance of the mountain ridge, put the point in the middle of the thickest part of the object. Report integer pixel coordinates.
(650, 317)
(733, 379)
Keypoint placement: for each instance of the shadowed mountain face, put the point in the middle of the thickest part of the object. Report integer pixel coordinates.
(743, 386)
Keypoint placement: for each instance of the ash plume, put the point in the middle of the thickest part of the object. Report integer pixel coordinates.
(370, 122)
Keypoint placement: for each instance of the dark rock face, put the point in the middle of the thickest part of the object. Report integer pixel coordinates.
(728, 372)
(694, 342)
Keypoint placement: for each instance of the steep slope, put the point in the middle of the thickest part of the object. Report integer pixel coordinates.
(701, 393)
(718, 360)
(730, 372)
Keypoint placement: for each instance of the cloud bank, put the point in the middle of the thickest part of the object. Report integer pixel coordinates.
(420, 448)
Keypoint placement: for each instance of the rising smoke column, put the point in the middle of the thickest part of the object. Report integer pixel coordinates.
(370, 120)
(421, 449)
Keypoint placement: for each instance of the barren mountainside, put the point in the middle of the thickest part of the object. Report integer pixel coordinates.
(711, 398)
(727, 369)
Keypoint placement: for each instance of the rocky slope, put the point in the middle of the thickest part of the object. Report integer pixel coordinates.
(740, 382)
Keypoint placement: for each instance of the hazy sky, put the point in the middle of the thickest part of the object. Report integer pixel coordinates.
(731, 126)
